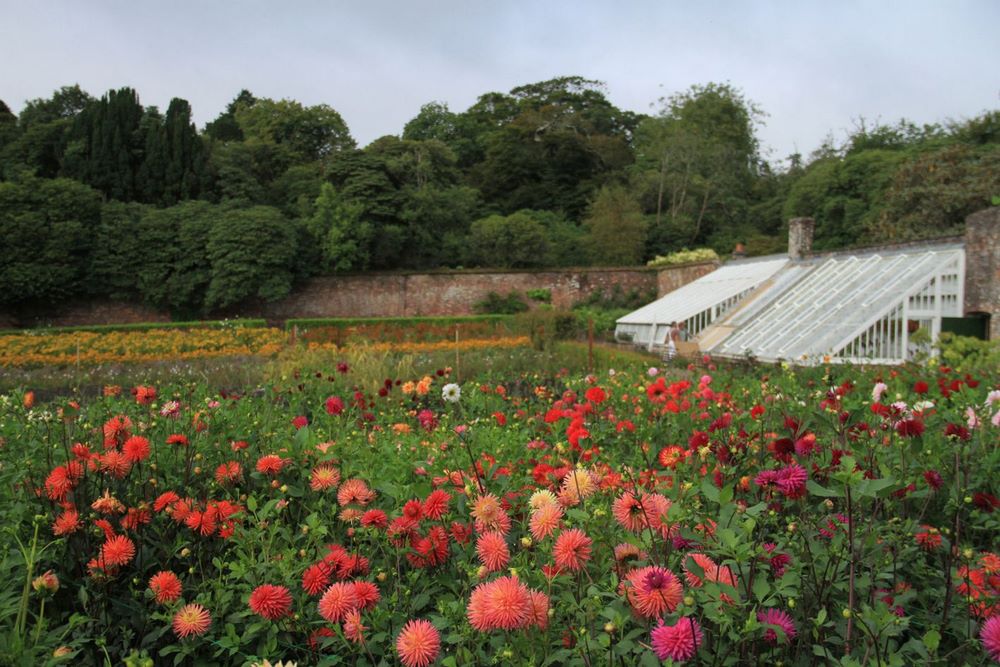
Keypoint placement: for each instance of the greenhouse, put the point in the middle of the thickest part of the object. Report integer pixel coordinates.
(863, 308)
(698, 303)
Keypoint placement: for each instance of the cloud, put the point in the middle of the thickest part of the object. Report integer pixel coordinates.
(813, 67)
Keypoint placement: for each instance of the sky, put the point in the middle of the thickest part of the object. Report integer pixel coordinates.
(815, 67)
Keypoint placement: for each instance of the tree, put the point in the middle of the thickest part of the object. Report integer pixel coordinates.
(225, 127)
(309, 133)
(549, 145)
(616, 227)
(338, 228)
(434, 121)
(932, 192)
(66, 102)
(47, 226)
(171, 265)
(513, 241)
(118, 257)
(696, 163)
(106, 144)
(437, 222)
(252, 255)
(37, 146)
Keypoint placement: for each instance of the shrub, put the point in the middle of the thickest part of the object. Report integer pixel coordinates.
(684, 257)
(546, 325)
(501, 305)
(541, 294)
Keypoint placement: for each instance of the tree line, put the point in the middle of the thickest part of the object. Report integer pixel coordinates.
(107, 197)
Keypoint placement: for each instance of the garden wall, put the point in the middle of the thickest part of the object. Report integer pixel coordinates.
(456, 293)
(982, 266)
(391, 295)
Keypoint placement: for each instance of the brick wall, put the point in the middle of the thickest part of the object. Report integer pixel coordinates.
(391, 295)
(982, 266)
(83, 313)
(456, 293)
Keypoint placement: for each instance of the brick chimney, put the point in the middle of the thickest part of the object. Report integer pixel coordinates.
(800, 237)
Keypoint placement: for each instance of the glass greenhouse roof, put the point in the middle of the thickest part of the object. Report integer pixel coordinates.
(821, 306)
(720, 286)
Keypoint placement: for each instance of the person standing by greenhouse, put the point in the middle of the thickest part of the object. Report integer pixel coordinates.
(673, 335)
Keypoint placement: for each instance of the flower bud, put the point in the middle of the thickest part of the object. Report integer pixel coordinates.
(46, 583)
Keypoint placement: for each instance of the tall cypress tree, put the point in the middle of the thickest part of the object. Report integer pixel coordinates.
(106, 144)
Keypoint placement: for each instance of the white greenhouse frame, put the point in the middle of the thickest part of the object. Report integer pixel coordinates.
(699, 303)
(850, 308)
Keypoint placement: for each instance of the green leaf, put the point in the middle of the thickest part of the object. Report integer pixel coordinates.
(932, 639)
(710, 491)
(817, 490)
(726, 495)
(761, 588)
(871, 487)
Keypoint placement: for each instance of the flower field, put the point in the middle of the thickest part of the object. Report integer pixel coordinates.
(702, 516)
(33, 349)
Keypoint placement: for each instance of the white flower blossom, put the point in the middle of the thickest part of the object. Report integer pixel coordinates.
(451, 393)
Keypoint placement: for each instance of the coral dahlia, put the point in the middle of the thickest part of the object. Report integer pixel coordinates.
(192, 619)
(572, 549)
(418, 643)
(338, 599)
(166, 586)
(271, 602)
(492, 551)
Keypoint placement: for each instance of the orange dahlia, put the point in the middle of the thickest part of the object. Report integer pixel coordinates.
(66, 523)
(338, 599)
(652, 591)
(492, 550)
(572, 549)
(418, 643)
(166, 587)
(545, 520)
(353, 628)
(503, 604)
(116, 551)
(355, 492)
(324, 477)
(136, 449)
(271, 602)
(192, 619)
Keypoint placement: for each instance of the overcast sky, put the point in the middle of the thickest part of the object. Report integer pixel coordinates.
(813, 67)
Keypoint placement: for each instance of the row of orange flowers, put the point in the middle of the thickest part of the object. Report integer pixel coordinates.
(86, 347)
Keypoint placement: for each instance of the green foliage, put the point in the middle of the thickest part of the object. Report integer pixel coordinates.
(540, 294)
(547, 174)
(48, 228)
(494, 304)
(967, 354)
(616, 298)
(251, 252)
(545, 326)
(616, 229)
(696, 163)
(117, 259)
(338, 229)
(685, 257)
(308, 133)
(514, 241)
(931, 193)
(171, 268)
